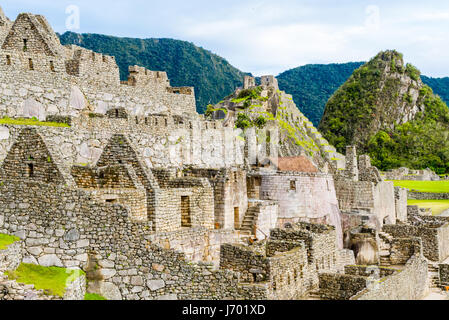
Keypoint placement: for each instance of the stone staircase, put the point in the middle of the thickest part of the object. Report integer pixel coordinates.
(384, 253)
(247, 230)
(250, 220)
(314, 295)
(434, 276)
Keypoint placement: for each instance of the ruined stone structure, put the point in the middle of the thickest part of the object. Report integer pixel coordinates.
(364, 197)
(413, 175)
(125, 181)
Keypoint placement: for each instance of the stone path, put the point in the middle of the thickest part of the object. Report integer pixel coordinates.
(437, 295)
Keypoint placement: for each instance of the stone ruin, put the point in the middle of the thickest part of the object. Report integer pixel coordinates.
(153, 201)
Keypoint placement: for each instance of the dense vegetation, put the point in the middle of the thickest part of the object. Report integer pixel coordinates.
(214, 78)
(186, 64)
(364, 111)
(312, 85)
(439, 85)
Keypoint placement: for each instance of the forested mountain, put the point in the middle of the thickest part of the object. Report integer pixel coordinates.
(388, 112)
(214, 78)
(186, 64)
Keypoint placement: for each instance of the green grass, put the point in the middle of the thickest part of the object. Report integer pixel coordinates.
(32, 122)
(437, 206)
(6, 240)
(93, 296)
(425, 186)
(52, 280)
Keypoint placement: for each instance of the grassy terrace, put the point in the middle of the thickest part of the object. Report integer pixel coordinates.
(52, 280)
(437, 206)
(93, 296)
(32, 122)
(425, 186)
(6, 240)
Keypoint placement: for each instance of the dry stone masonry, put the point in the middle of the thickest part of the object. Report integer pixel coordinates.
(126, 182)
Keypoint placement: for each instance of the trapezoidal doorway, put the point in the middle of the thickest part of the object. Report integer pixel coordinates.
(186, 218)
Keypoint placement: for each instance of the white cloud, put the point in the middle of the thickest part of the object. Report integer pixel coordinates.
(263, 36)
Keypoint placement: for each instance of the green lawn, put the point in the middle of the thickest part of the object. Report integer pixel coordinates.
(425, 186)
(93, 296)
(52, 280)
(6, 240)
(32, 122)
(437, 206)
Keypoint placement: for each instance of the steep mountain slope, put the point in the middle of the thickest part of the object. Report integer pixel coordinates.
(385, 109)
(186, 64)
(263, 107)
(440, 86)
(312, 85)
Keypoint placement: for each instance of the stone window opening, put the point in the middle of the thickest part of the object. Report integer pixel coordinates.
(93, 56)
(166, 122)
(30, 64)
(293, 185)
(116, 113)
(30, 170)
(105, 59)
(186, 218)
(137, 120)
(236, 218)
(146, 120)
(8, 60)
(25, 45)
(52, 66)
(111, 200)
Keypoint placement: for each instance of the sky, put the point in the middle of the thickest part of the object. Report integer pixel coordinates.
(267, 37)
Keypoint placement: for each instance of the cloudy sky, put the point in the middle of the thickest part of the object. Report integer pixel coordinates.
(268, 37)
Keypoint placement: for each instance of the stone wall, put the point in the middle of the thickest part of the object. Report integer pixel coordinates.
(434, 237)
(33, 58)
(401, 197)
(283, 269)
(377, 283)
(165, 147)
(308, 197)
(63, 227)
(14, 291)
(409, 283)
(428, 196)
(230, 194)
(444, 274)
(379, 199)
(11, 257)
(340, 286)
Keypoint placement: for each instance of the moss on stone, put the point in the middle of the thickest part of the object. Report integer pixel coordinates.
(53, 280)
(93, 296)
(7, 240)
(32, 122)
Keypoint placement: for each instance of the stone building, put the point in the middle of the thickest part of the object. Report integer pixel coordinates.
(364, 197)
(126, 181)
